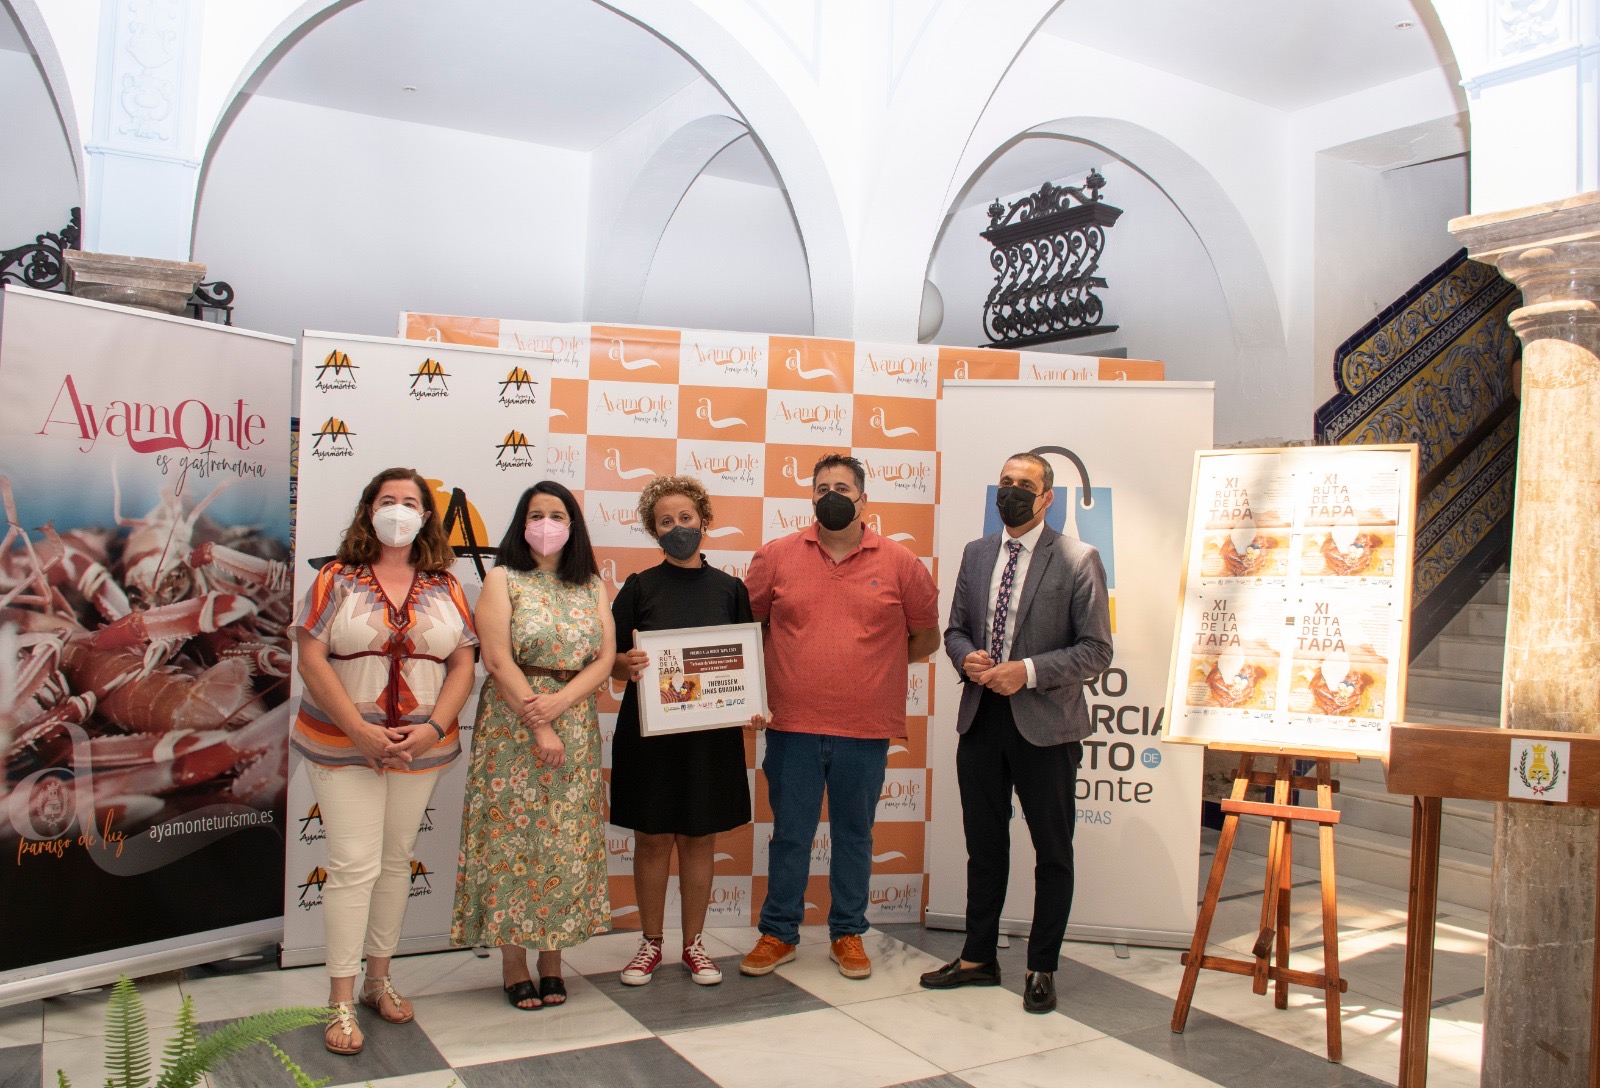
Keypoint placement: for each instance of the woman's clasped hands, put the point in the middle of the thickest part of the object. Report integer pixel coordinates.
(539, 713)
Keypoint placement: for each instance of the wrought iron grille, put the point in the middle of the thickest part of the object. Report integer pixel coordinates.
(38, 264)
(1046, 252)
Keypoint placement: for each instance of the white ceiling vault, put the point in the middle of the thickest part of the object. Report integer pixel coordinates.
(571, 74)
(1288, 54)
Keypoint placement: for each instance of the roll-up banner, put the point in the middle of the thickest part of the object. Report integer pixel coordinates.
(473, 422)
(144, 662)
(749, 414)
(1122, 454)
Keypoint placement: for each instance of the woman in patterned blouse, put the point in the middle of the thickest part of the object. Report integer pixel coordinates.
(385, 641)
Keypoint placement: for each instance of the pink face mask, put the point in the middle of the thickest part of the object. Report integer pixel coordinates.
(546, 536)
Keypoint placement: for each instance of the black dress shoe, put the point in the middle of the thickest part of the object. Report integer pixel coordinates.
(1039, 992)
(953, 974)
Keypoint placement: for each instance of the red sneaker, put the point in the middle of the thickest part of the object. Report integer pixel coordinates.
(698, 961)
(643, 966)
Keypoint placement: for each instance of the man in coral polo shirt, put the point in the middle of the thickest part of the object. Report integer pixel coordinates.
(847, 610)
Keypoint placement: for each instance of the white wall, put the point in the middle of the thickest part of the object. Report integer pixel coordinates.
(336, 221)
(1162, 292)
(38, 187)
(731, 258)
(1377, 234)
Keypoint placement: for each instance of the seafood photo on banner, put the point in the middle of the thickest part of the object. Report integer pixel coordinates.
(146, 664)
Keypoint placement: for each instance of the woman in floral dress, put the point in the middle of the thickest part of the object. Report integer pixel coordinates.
(532, 865)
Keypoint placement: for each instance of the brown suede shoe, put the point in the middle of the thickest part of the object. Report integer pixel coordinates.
(850, 956)
(768, 954)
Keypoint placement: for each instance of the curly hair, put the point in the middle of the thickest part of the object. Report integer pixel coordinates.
(430, 551)
(663, 486)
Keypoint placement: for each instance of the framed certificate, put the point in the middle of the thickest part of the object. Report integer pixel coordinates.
(701, 678)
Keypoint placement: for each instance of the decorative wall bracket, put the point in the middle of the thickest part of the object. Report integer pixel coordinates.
(1046, 252)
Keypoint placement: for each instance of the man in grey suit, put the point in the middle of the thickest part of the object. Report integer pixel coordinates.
(1029, 624)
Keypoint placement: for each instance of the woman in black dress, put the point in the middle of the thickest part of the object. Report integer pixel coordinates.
(679, 790)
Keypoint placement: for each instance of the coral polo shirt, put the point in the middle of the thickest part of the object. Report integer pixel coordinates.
(836, 636)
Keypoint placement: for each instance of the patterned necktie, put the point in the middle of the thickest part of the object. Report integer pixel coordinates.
(1002, 604)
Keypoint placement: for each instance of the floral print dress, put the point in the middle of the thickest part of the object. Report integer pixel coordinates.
(532, 866)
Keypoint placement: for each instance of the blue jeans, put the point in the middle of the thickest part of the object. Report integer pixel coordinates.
(799, 766)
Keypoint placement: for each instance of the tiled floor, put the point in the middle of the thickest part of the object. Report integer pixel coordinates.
(806, 1025)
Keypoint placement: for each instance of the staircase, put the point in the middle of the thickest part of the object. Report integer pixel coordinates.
(1455, 680)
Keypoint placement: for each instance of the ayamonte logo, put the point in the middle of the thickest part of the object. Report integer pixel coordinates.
(792, 471)
(708, 413)
(618, 353)
(420, 884)
(825, 419)
(336, 372)
(518, 388)
(515, 451)
(431, 374)
(308, 832)
(908, 370)
(811, 374)
(311, 890)
(336, 434)
(880, 423)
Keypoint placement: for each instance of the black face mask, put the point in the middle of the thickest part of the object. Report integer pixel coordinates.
(1015, 506)
(835, 511)
(681, 542)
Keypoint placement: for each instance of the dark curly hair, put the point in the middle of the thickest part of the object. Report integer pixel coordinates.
(430, 551)
(662, 486)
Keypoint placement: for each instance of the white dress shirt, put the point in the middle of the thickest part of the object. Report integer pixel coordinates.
(1029, 541)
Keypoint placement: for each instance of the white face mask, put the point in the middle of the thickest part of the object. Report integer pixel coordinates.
(397, 525)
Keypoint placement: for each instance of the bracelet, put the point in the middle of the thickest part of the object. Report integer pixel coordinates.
(437, 728)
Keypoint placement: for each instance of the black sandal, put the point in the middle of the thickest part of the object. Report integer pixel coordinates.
(552, 986)
(518, 992)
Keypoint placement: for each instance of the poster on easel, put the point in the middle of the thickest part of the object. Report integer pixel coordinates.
(1296, 598)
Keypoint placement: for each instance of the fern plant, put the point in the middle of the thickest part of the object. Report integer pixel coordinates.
(187, 1057)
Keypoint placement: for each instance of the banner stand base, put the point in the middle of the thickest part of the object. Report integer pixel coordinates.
(66, 976)
(409, 946)
(1020, 927)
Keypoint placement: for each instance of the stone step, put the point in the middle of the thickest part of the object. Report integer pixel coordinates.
(1478, 653)
(1426, 713)
(1481, 619)
(1467, 825)
(1459, 689)
(1497, 590)
(1363, 854)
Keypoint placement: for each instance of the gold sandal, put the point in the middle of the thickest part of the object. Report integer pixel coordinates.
(374, 991)
(343, 1034)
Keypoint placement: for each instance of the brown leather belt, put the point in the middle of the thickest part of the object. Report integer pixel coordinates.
(562, 675)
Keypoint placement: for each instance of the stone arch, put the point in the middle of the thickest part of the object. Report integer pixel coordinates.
(622, 258)
(37, 30)
(738, 74)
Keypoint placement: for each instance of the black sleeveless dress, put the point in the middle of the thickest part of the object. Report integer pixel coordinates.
(682, 783)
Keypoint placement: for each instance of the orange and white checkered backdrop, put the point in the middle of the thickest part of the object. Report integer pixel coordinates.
(749, 414)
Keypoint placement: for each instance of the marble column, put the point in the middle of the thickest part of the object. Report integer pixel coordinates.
(1542, 909)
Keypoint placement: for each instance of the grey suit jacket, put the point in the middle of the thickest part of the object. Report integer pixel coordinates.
(1063, 623)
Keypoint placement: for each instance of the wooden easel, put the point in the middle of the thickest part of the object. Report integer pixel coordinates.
(1265, 967)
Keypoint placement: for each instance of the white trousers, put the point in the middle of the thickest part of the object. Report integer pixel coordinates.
(371, 822)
